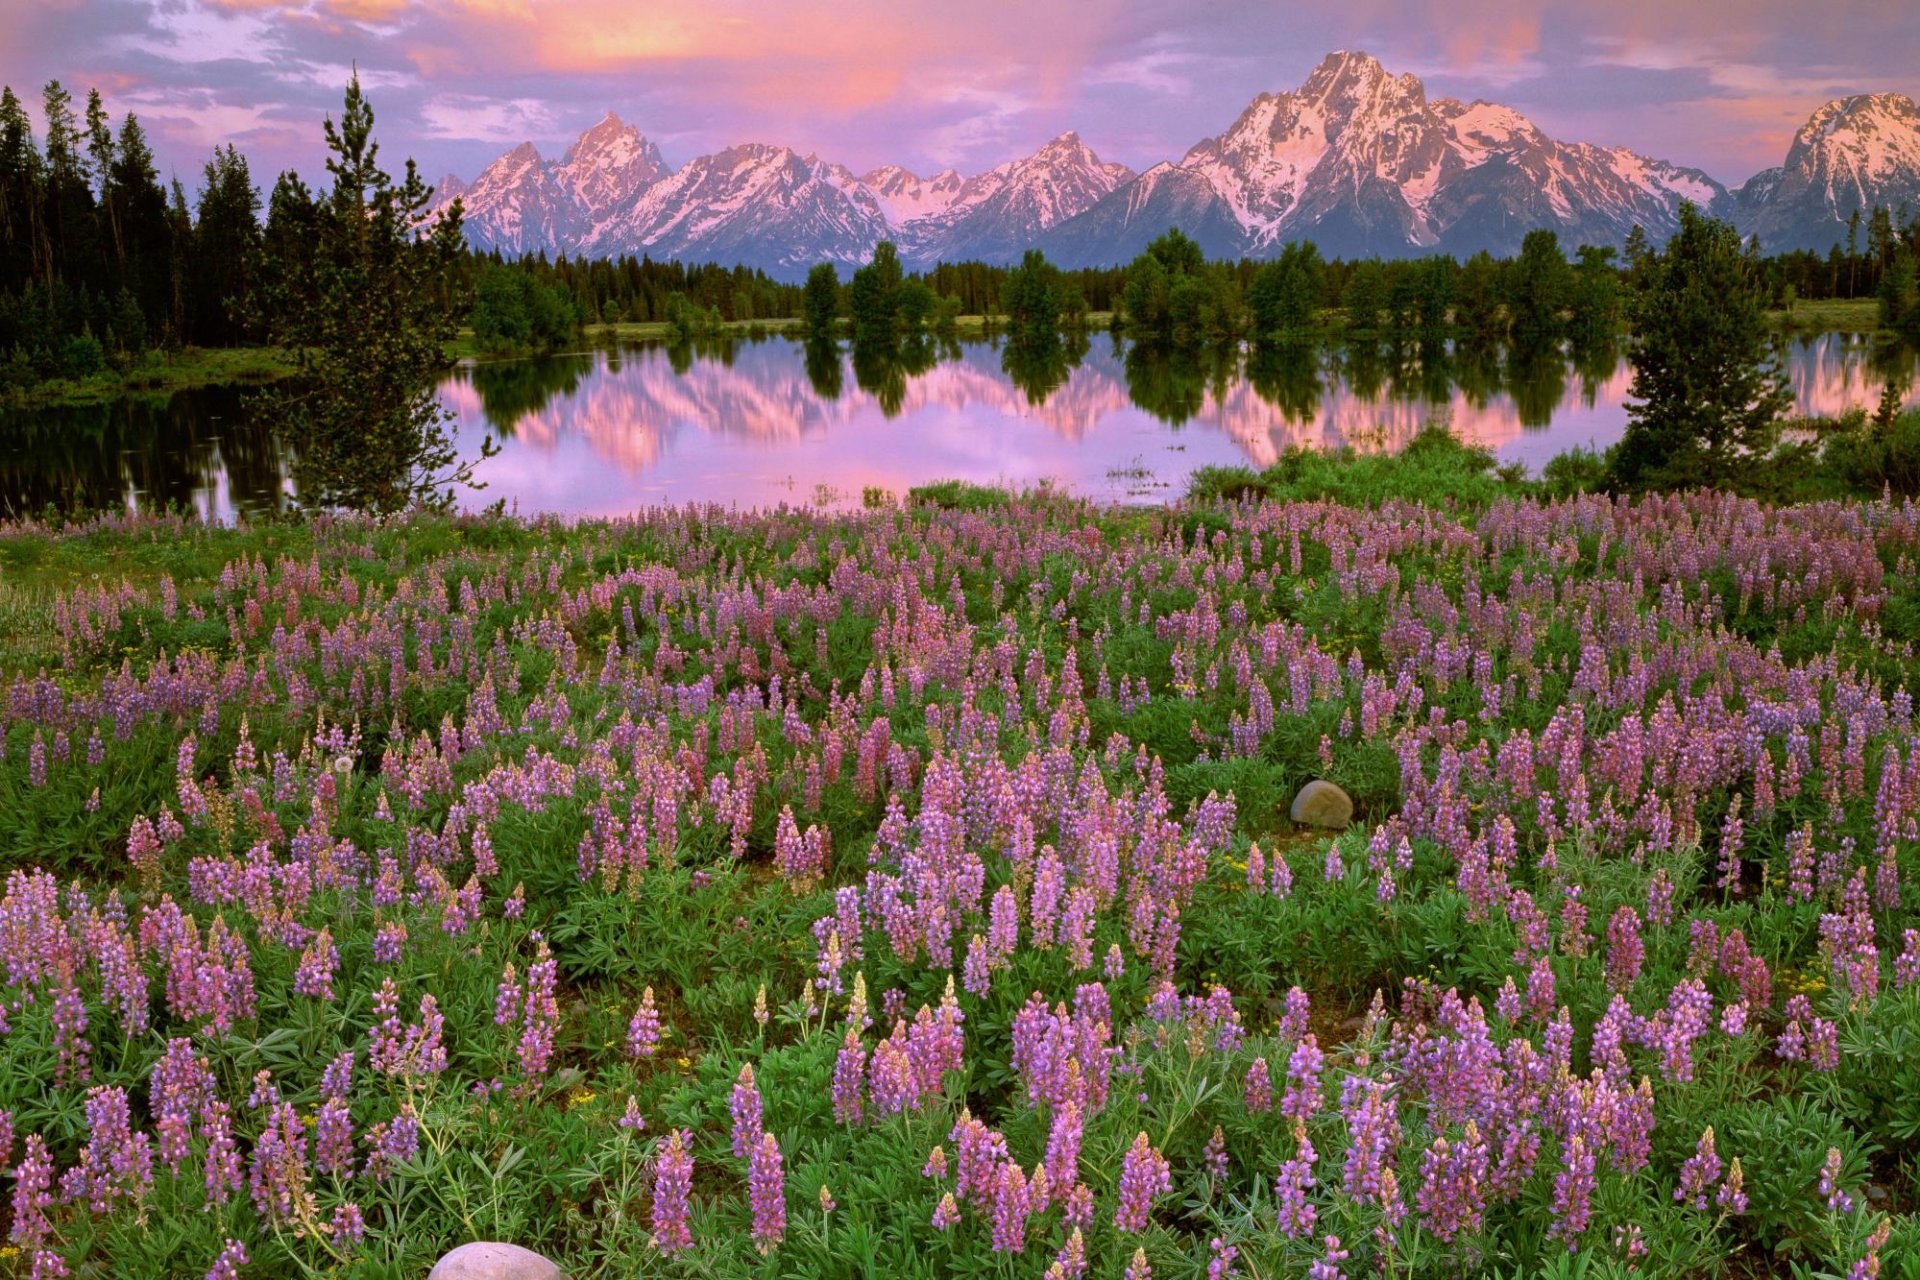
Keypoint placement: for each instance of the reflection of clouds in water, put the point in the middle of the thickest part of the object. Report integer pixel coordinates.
(754, 430)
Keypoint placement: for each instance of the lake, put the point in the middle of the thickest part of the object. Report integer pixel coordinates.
(757, 423)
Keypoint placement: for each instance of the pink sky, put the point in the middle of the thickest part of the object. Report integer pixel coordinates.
(867, 82)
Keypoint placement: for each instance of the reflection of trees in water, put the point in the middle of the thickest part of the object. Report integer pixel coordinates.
(1595, 360)
(825, 372)
(1476, 370)
(879, 370)
(1536, 381)
(1171, 384)
(1287, 376)
(509, 390)
(171, 452)
(1363, 364)
(1037, 369)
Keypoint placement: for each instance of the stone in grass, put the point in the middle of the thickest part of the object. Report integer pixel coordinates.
(491, 1260)
(1322, 804)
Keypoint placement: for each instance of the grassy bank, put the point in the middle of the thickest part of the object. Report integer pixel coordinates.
(1832, 315)
(158, 374)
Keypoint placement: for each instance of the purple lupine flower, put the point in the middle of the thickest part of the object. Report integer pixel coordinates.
(32, 1195)
(849, 1079)
(333, 1137)
(279, 1167)
(1071, 1262)
(1699, 1173)
(746, 1108)
(116, 1161)
(539, 1014)
(1838, 1201)
(946, 1213)
(1373, 1126)
(1144, 1175)
(643, 1030)
(1220, 1264)
(1625, 951)
(1213, 1157)
(1732, 1196)
(1258, 1091)
(1868, 1267)
(222, 1168)
(1327, 1266)
(233, 1256)
(348, 1225)
(1573, 1192)
(1452, 1176)
(314, 977)
(1062, 1161)
(1138, 1268)
(767, 1192)
(1010, 1208)
(1302, 1096)
(1296, 1213)
(672, 1183)
(631, 1120)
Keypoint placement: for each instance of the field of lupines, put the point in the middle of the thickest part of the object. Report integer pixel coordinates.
(912, 892)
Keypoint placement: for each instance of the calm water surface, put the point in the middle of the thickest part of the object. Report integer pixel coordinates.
(758, 423)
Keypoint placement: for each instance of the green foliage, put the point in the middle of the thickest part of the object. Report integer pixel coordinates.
(1031, 300)
(1435, 467)
(688, 320)
(1539, 288)
(1175, 298)
(1899, 293)
(1708, 391)
(1877, 456)
(368, 318)
(873, 300)
(513, 311)
(1285, 290)
(821, 300)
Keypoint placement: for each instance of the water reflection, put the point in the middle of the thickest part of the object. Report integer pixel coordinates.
(202, 451)
(770, 421)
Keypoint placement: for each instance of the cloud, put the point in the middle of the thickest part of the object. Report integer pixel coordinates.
(933, 82)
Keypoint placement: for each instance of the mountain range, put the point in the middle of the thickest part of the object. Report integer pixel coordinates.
(1356, 159)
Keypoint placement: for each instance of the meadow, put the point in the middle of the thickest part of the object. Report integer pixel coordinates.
(912, 892)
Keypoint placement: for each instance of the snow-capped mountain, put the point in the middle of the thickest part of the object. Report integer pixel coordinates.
(1361, 162)
(1356, 159)
(517, 206)
(1853, 153)
(521, 203)
(761, 205)
(608, 167)
(998, 215)
(905, 196)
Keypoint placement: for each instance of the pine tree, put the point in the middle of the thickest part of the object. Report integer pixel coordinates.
(1708, 390)
(367, 321)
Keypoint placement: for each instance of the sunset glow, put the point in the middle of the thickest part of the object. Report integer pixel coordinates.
(931, 85)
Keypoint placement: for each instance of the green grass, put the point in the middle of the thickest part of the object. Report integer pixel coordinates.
(160, 374)
(1829, 315)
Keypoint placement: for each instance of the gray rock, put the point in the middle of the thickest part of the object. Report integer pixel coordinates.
(1322, 804)
(491, 1260)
